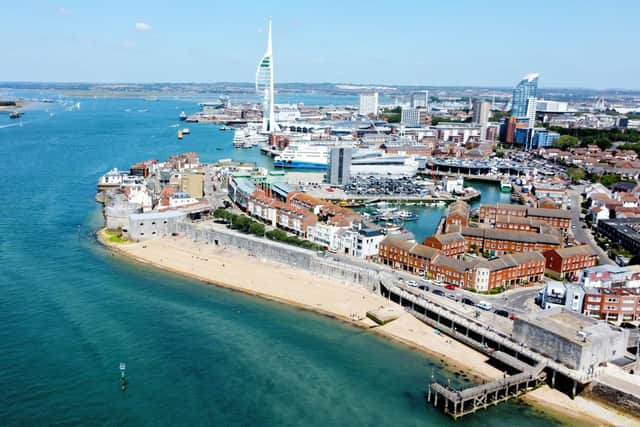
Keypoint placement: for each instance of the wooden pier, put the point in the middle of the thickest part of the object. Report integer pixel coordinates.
(458, 403)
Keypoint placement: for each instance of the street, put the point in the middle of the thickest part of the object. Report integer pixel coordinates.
(582, 234)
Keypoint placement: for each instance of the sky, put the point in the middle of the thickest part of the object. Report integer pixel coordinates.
(571, 43)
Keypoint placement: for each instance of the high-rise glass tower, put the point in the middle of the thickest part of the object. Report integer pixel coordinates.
(527, 88)
(264, 86)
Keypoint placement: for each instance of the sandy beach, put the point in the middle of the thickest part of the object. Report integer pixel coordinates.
(300, 288)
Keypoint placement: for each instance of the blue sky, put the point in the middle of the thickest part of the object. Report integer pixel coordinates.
(571, 43)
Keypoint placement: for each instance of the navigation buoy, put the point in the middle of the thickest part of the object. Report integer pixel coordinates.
(123, 378)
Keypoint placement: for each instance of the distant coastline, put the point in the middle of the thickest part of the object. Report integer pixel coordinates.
(11, 105)
(335, 300)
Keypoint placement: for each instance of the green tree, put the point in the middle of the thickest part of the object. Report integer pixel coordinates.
(576, 174)
(566, 141)
(257, 228)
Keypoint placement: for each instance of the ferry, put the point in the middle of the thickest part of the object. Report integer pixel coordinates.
(186, 131)
(183, 116)
(16, 114)
(303, 156)
(505, 185)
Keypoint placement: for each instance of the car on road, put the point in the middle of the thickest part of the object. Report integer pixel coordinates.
(468, 301)
(424, 288)
(450, 287)
(438, 292)
(573, 226)
(484, 305)
(412, 283)
(453, 297)
(500, 312)
(628, 325)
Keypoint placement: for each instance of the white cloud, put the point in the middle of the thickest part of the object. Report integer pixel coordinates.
(141, 26)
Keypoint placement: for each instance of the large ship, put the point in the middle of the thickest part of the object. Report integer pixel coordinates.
(375, 162)
(248, 137)
(303, 156)
(505, 185)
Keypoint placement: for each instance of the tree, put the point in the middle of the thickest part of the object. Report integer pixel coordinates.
(256, 228)
(566, 141)
(576, 174)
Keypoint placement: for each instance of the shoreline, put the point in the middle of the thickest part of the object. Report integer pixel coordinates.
(165, 254)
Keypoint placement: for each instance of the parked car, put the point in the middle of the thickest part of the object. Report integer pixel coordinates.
(452, 296)
(423, 287)
(450, 287)
(412, 283)
(628, 325)
(484, 305)
(468, 301)
(500, 312)
(438, 292)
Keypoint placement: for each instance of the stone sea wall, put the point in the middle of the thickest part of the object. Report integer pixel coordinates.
(344, 270)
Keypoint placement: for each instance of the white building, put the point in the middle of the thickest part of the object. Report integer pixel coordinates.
(368, 104)
(453, 185)
(286, 113)
(420, 99)
(547, 106)
(412, 117)
(361, 242)
(325, 235)
(140, 195)
(180, 199)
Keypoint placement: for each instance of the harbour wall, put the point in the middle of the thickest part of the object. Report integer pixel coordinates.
(335, 268)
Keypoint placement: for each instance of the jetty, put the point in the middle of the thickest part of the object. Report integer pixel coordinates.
(528, 368)
(458, 403)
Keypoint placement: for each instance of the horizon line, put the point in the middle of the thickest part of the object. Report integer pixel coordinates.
(392, 86)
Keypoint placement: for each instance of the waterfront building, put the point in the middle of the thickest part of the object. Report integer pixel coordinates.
(570, 338)
(368, 104)
(150, 225)
(481, 112)
(449, 244)
(339, 165)
(488, 213)
(517, 223)
(457, 214)
(405, 255)
(558, 218)
(264, 86)
(569, 262)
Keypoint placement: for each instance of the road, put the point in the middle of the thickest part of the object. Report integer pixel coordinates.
(583, 235)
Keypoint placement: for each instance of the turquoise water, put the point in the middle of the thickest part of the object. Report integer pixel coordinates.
(196, 355)
(429, 216)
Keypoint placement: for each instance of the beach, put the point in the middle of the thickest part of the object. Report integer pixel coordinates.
(234, 270)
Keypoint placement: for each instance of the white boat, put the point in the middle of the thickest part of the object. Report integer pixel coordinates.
(305, 156)
(248, 137)
(186, 131)
(505, 185)
(183, 116)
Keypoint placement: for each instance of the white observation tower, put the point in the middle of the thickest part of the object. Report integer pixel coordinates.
(264, 86)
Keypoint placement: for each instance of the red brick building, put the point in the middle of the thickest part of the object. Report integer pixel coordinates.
(457, 214)
(500, 242)
(569, 262)
(405, 255)
(449, 244)
(482, 275)
(558, 218)
(615, 304)
(518, 223)
(488, 213)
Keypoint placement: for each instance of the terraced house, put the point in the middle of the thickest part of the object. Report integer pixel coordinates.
(500, 242)
(405, 255)
(569, 262)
